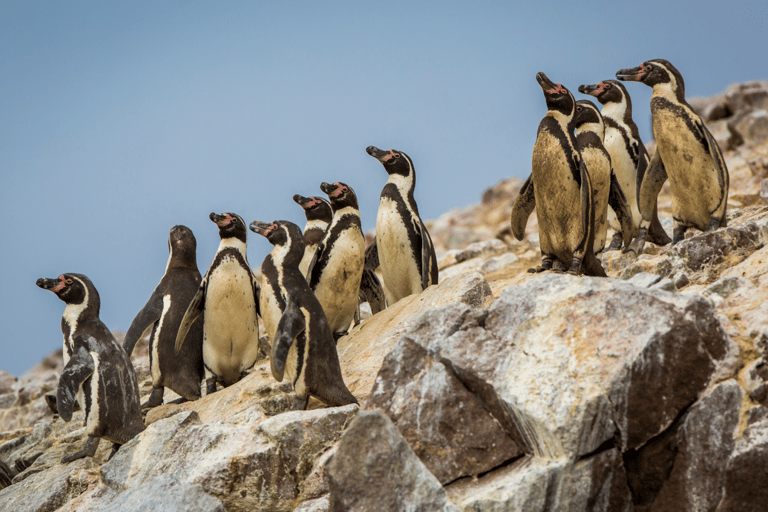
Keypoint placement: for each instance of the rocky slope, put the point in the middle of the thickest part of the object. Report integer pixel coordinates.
(494, 390)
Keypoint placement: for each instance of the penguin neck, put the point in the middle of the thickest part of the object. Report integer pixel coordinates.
(183, 261)
(617, 111)
(232, 243)
(405, 185)
(586, 128)
(342, 212)
(669, 91)
(564, 120)
(315, 224)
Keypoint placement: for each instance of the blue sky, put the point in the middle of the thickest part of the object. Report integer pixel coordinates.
(120, 120)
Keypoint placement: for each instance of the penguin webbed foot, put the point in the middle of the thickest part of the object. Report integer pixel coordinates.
(115, 447)
(89, 450)
(678, 234)
(616, 242)
(713, 224)
(300, 404)
(155, 399)
(546, 264)
(180, 400)
(638, 243)
(210, 386)
(339, 334)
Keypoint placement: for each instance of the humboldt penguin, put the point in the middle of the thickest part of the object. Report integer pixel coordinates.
(229, 296)
(405, 250)
(303, 346)
(686, 153)
(589, 130)
(319, 215)
(164, 310)
(559, 189)
(628, 157)
(98, 373)
(337, 268)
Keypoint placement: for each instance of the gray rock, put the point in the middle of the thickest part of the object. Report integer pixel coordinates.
(46, 492)
(746, 473)
(375, 469)
(764, 190)
(161, 493)
(499, 262)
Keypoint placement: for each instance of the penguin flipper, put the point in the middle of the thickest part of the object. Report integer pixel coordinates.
(372, 255)
(311, 268)
(148, 315)
(587, 211)
(522, 208)
(194, 310)
(722, 172)
(78, 369)
(426, 255)
(291, 324)
(654, 179)
(618, 202)
(256, 293)
(372, 291)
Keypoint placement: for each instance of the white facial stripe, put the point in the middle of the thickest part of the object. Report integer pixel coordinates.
(615, 111)
(71, 314)
(232, 242)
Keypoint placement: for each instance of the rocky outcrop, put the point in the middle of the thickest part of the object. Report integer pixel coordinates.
(494, 390)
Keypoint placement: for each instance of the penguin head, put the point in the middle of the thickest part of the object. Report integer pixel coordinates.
(182, 246)
(230, 225)
(282, 233)
(340, 194)
(315, 208)
(607, 91)
(557, 96)
(394, 161)
(654, 72)
(587, 118)
(72, 289)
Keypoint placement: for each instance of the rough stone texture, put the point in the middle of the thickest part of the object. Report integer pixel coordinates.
(375, 469)
(686, 465)
(747, 472)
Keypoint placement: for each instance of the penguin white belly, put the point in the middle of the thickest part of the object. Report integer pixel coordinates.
(626, 174)
(309, 253)
(692, 174)
(599, 168)
(396, 256)
(230, 332)
(339, 283)
(155, 362)
(92, 420)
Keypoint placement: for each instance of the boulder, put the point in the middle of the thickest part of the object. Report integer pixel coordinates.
(746, 472)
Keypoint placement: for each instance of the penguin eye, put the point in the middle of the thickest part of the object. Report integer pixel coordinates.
(234, 220)
(68, 281)
(579, 109)
(396, 155)
(607, 86)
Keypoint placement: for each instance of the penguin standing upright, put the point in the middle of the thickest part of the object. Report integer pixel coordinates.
(628, 157)
(559, 189)
(405, 250)
(229, 296)
(303, 347)
(164, 310)
(98, 374)
(686, 153)
(589, 130)
(319, 215)
(337, 268)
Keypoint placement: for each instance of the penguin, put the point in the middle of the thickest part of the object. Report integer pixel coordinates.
(98, 373)
(559, 189)
(303, 347)
(229, 296)
(319, 214)
(371, 290)
(405, 249)
(686, 153)
(629, 158)
(164, 310)
(589, 130)
(337, 268)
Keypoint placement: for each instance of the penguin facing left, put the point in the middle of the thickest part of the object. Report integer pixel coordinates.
(559, 189)
(589, 130)
(319, 214)
(229, 296)
(405, 249)
(165, 308)
(98, 373)
(337, 268)
(686, 154)
(303, 346)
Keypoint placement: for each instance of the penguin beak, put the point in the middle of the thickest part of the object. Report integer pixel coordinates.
(376, 152)
(589, 89)
(544, 82)
(327, 188)
(47, 284)
(630, 75)
(219, 220)
(302, 201)
(260, 228)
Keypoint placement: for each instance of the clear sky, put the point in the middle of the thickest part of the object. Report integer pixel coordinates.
(119, 120)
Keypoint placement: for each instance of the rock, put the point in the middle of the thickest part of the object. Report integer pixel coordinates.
(747, 472)
(375, 469)
(162, 493)
(764, 191)
(697, 452)
(753, 126)
(247, 468)
(6, 382)
(499, 262)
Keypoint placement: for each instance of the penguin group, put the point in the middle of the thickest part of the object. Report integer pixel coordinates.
(590, 170)
(206, 328)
